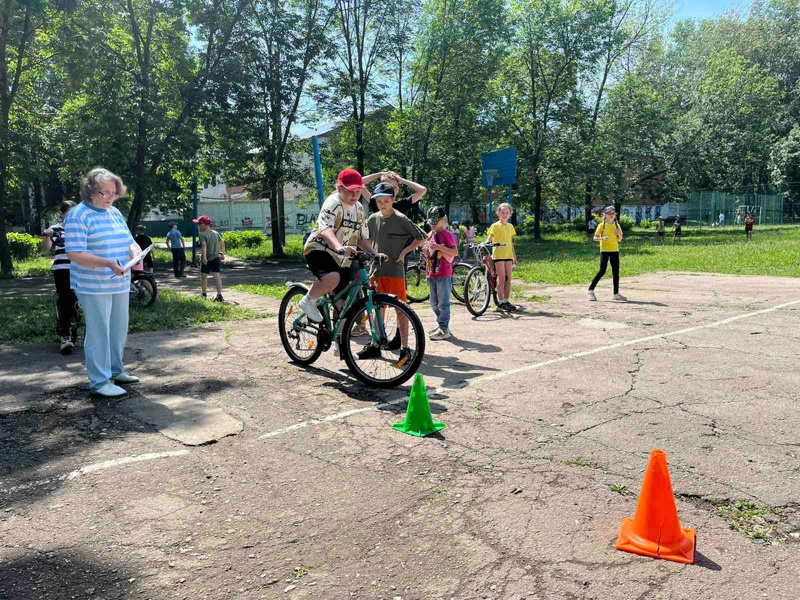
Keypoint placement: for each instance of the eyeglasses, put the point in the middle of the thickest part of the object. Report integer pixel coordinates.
(106, 195)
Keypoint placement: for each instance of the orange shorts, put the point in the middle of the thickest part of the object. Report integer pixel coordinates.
(391, 285)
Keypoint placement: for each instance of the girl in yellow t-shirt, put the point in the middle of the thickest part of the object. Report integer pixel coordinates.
(609, 234)
(504, 257)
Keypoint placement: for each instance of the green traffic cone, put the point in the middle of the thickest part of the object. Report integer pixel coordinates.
(419, 421)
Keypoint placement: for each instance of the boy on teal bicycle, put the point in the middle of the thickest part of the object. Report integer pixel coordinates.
(328, 249)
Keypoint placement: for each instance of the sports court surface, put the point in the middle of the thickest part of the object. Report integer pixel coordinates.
(551, 415)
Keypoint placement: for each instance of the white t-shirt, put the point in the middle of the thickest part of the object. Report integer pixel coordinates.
(348, 224)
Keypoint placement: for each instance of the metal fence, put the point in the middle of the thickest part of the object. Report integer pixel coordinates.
(769, 207)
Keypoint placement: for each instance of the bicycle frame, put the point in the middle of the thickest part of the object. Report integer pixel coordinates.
(355, 290)
(489, 264)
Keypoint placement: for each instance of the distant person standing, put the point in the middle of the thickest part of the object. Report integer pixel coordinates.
(676, 229)
(749, 221)
(144, 242)
(212, 251)
(177, 245)
(721, 219)
(469, 255)
(660, 230)
(591, 227)
(67, 301)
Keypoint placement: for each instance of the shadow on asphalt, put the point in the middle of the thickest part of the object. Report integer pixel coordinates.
(701, 560)
(63, 574)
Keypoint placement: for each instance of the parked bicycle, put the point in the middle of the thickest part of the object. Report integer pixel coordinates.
(366, 318)
(144, 289)
(417, 282)
(480, 286)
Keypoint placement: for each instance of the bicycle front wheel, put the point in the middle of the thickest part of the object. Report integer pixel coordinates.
(477, 293)
(460, 272)
(388, 357)
(417, 284)
(299, 335)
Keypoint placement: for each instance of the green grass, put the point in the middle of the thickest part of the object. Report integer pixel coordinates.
(755, 521)
(30, 320)
(269, 290)
(567, 258)
(293, 250)
(38, 266)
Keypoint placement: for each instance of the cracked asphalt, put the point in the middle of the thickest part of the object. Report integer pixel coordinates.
(546, 412)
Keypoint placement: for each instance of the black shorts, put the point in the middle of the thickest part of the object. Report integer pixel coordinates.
(503, 260)
(660, 234)
(321, 263)
(212, 266)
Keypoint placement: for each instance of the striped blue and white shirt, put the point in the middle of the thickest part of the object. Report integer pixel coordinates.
(104, 233)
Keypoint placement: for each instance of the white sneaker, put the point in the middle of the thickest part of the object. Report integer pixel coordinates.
(308, 306)
(442, 334)
(433, 333)
(66, 345)
(620, 298)
(124, 378)
(590, 295)
(110, 390)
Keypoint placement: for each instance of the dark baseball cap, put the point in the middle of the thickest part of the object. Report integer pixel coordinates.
(383, 189)
(351, 179)
(436, 214)
(204, 220)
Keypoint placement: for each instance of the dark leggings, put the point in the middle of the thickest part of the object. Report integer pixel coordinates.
(604, 258)
(66, 301)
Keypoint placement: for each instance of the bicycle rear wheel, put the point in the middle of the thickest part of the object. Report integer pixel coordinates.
(417, 284)
(144, 290)
(393, 361)
(299, 335)
(477, 293)
(460, 272)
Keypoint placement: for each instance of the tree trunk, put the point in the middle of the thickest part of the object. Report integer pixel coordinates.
(277, 247)
(138, 197)
(35, 222)
(537, 207)
(282, 212)
(6, 264)
(588, 201)
(360, 140)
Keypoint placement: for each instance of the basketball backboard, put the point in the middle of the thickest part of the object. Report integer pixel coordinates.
(504, 165)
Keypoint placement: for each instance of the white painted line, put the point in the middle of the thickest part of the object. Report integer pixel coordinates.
(93, 468)
(539, 365)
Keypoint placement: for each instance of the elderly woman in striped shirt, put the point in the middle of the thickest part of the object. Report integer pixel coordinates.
(98, 242)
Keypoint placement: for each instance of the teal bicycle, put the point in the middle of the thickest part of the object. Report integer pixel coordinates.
(379, 337)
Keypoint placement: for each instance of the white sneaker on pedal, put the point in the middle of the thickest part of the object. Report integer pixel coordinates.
(309, 306)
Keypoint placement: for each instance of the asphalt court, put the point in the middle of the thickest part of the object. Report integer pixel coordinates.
(551, 414)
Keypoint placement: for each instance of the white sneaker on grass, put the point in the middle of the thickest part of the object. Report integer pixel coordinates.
(109, 390)
(309, 306)
(619, 297)
(590, 295)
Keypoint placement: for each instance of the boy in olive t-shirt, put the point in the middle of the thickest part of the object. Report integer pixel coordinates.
(392, 234)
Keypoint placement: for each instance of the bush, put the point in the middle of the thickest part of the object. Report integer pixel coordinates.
(646, 224)
(579, 223)
(626, 223)
(243, 239)
(23, 246)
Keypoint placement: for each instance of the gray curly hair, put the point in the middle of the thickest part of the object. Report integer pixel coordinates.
(90, 184)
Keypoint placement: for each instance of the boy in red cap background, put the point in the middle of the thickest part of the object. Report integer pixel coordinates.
(212, 250)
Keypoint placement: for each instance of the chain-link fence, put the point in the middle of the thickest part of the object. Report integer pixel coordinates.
(769, 207)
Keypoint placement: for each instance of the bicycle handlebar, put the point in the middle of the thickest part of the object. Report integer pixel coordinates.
(486, 245)
(364, 256)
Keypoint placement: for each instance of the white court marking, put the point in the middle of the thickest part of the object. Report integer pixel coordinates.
(108, 464)
(539, 365)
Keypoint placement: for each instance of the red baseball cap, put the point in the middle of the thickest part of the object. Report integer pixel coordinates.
(351, 179)
(205, 220)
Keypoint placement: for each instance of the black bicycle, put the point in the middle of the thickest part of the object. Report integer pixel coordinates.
(417, 281)
(144, 289)
(74, 323)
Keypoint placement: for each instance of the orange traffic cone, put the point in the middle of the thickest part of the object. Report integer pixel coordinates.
(655, 530)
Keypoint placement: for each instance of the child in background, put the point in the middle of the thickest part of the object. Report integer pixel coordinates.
(676, 229)
(440, 251)
(212, 251)
(609, 234)
(660, 230)
(504, 257)
(469, 255)
(749, 221)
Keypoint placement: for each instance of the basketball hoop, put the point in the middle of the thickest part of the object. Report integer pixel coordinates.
(490, 175)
